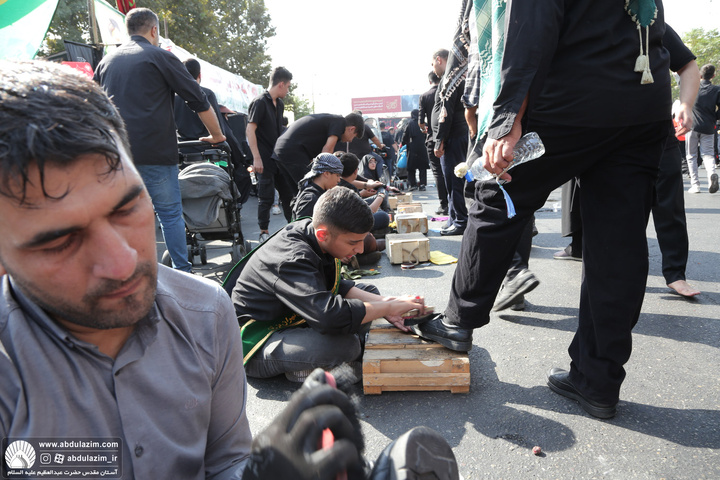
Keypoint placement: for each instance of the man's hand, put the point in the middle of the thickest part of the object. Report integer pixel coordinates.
(214, 139)
(401, 305)
(373, 184)
(290, 446)
(497, 154)
(683, 120)
(258, 165)
(440, 151)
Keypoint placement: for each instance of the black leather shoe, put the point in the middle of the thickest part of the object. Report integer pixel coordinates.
(511, 291)
(449, 336)
(559, 383)
(441, 211)
(452, 230)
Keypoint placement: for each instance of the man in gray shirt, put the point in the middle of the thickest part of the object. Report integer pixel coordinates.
(102, 348)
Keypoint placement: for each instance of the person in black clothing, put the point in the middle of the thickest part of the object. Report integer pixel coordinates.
(604, 123)
(294, 275)
(310, 136)
(376, 199)
(414, 138)
(427, 102)
(391, 148)
(450, 134)
(145, 101)
(324, 174)
(701, 140)
(265, 125)
(190, 127)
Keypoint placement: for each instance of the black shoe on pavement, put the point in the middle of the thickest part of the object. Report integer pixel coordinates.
(523, 283)
(559, 383)
(421, 188)
(452, 230)
(449, 336)
(441, 211)
(421, 453)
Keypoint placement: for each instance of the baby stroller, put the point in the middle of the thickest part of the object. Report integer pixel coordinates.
(210, 199)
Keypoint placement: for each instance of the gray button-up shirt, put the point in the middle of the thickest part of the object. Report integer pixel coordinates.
(175, 394)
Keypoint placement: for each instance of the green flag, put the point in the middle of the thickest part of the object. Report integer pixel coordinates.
(23, 25)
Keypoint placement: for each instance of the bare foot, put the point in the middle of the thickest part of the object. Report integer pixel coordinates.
(683, 288)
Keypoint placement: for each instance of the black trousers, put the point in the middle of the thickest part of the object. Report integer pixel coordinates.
(294, 167)
(617, 168)
(669, 215)
(438, 174)
(455, 152)
(268, 181)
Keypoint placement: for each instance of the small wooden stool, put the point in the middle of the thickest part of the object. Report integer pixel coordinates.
(397, 361)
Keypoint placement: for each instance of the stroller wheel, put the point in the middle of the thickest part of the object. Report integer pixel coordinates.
(166, 260)
(191, 255)
(237, 252)
(203, 255)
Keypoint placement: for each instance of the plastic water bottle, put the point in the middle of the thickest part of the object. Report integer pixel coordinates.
(529, 147)
(253, 177)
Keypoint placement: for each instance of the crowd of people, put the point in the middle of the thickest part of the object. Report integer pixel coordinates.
(158, 357)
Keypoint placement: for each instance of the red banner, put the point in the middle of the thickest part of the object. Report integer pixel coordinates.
(370, 105)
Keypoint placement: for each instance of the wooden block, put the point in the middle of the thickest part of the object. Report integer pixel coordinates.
(392, 202)
(404, 198)
(396, 361)
(407, 247)
(411, 222)
(409, 208)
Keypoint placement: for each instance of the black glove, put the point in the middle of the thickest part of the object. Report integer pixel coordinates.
(289, 448)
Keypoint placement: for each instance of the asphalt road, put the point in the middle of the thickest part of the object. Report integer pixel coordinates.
(668, 421)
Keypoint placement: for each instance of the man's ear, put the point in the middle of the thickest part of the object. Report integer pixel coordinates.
(322, 233)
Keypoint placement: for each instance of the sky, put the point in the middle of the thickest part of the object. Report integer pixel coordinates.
(339, 49)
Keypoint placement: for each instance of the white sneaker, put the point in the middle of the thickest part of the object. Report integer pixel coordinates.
(275, 210)
(694, 189)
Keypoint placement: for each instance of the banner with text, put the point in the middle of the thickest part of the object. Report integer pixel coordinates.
(392, 104)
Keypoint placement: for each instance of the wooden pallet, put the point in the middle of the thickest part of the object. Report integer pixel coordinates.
(396, 361)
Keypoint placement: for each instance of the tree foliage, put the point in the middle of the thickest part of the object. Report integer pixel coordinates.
(231, 34)
(300, 106)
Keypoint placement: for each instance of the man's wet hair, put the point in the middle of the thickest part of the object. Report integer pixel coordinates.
(280, 74)
(707, 72)
(193, 67)
(355, 120)
(51, 114)
(343, 211)
(350, 163)
(139, 21)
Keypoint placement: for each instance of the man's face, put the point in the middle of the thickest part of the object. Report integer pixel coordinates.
(87, 256)
(349, 134)
(341, 245)
(329, 180)
(438, 66)
(284, 89)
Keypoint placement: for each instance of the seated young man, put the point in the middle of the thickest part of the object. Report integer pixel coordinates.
(295, 310)
(374, 198)
(324, 174)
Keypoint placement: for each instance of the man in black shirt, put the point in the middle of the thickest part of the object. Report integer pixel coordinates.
(310, 136)
(450, 134)
(702, 137)
(427, 102)
(324, 174)
(265, 125)
(604, 123)
(140, 77)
